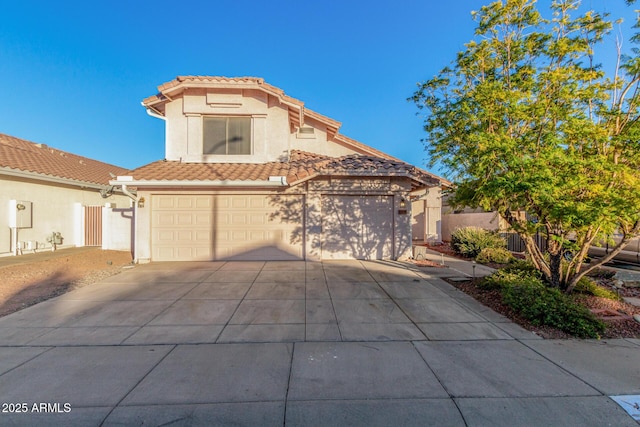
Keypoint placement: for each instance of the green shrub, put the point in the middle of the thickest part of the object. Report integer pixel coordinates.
(503, 279)
(469, 241)
(522, 267)
(497, 255)
(589, 287)
(542, 305)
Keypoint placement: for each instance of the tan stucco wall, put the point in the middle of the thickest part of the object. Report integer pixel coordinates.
(426, 215)
(142, 241)
(117, 227)
(54, 209)
(487, 220)
(272, 134)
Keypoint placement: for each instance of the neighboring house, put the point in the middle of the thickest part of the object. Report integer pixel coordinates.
(45, 191)
(250, 173)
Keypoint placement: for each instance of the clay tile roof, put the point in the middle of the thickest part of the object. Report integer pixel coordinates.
(178, 171)
(301, 165)
(169, 89)
(26, 156)
(357, 164)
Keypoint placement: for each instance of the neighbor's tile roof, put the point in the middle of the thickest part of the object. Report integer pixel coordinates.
(300, 166)
(18, 154)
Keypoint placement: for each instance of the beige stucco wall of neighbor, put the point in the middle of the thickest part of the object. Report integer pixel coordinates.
(54, 209)
(272, 133)
(487, 220)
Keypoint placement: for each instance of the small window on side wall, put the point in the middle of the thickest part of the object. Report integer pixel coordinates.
(226, 135)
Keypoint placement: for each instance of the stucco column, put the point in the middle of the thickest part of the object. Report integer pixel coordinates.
(313, 227)
(433, 214)
(142, 218)
(78, 229)
(402, 226)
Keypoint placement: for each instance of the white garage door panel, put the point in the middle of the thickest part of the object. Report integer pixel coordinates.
(226, 227)
(359, 227)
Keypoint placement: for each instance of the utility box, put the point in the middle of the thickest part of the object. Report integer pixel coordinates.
(20, 214)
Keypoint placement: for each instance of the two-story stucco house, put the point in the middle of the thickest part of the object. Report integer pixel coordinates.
(250, 173)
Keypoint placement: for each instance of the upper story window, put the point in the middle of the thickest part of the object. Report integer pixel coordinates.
(227, 135)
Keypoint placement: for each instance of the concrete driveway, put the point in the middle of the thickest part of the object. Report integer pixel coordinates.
(264, 343)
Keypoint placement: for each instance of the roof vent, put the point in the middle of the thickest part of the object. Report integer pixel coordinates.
(306, 130)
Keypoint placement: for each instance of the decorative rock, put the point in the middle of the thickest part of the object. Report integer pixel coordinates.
(636, 317)
(631, 279)
(633, 301)
(618, 284)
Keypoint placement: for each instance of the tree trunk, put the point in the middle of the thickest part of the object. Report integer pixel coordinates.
(555, 266)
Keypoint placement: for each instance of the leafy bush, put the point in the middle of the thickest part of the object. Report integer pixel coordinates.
(497, 255)
(542, 305)
(523, 268)
(469, 241)
(589, 287)
(503, 279)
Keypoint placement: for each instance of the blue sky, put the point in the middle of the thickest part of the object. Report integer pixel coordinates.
(73, 73)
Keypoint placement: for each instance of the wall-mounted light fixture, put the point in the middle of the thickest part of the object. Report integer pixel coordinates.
(141, 202)
(403, 203)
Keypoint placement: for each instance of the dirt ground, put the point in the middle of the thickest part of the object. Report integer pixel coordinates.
(23, 285)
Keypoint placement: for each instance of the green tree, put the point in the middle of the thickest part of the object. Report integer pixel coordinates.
(525, 120)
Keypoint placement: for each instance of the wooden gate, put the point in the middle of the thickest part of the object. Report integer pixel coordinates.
(93, 225)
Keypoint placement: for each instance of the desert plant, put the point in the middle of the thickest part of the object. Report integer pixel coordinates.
(496, 255)
(469, 241)
(587, 286)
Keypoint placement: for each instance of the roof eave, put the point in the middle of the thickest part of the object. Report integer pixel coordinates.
(140, 183)
(49, 178)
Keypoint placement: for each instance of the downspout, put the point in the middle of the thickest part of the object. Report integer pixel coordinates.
(128, 193)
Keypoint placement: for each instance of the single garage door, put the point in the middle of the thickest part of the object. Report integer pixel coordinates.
(357, 227)
(226, 227)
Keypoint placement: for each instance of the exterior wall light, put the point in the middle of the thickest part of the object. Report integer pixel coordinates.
(403, 203)
(141, 202)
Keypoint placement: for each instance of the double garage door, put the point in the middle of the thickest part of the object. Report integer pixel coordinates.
(226, 227)
(265, 227)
